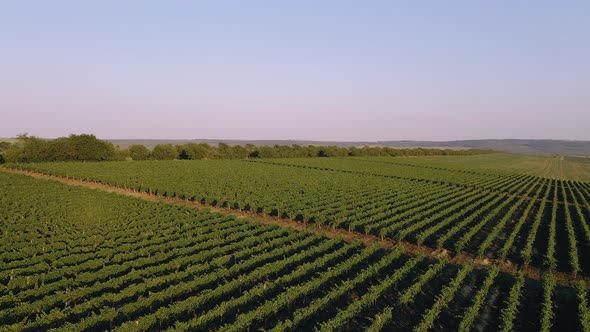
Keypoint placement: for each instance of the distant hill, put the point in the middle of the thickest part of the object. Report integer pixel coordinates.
(520, 146)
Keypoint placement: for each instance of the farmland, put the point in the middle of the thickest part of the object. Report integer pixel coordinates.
(515, 217)
(558, 167)
(81, 259)
(207, 247)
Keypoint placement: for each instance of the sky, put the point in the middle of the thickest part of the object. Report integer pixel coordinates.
(314, 70)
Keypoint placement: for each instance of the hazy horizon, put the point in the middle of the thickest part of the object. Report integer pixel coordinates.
(293, 139)
(329, 71)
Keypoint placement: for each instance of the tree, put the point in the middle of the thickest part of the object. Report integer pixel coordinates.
(311, 151)
(138, 152)
(332, 151)
(75, 147)
(224, 151)
(250, 147)
(266, 152)
(121, 154)
(61, 149)
(86, 147)
(239, 152)
(354, 151)
(194, 151)
(5, 146)
(164, 152)
(28, 149)
(89, 148)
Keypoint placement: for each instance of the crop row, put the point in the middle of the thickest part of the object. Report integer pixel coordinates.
(175, 268)
(521, 218)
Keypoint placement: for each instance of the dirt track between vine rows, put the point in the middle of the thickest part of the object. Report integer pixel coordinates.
(565, 279)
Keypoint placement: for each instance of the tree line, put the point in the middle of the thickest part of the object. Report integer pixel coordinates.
(86, 147)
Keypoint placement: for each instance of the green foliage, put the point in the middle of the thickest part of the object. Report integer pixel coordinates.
(73, 148)
(583, 308)
(505, 219)
(88, 148)
(410, 294)
(121, 154)
(373, 295)
(525, 215)
(77, 259)
(193, 151)
(472, 313)
(547, 312)
(5, 146)
(527, 251)
(442, 300)
(512, 304)
(138, 152)
(28, 149)
(406, 199)
(571, 232)
(164, 152)
(332, 151)
(550, 259)
(265, 152)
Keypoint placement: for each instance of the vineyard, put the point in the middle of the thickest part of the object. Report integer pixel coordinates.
(499, 215)
(80, 259)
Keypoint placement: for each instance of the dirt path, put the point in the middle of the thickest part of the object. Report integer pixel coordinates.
(406, 247)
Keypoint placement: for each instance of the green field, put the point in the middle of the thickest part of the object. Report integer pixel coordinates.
(557, 167)
(77, 259)
(498, 214)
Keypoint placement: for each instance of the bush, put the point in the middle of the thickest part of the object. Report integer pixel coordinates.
(164, 152)
(138, 152)
(75, 147)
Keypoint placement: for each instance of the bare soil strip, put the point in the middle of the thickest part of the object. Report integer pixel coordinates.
(565, 279)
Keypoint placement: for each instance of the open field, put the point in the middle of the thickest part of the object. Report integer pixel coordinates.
(558, 167)
(68, 251)
(513, 217)
(448, 243)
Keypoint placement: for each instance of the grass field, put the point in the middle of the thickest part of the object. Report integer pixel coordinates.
(558, 167)
(447, 243)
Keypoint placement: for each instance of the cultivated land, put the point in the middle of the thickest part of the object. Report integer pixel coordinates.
(558, 167)
(520, 146)
(447, 243)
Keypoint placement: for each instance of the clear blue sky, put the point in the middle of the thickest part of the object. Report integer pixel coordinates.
(324, 70)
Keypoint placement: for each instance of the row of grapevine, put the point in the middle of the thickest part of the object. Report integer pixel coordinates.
(527, 251)
(473, 312)
(571, 235)
(172, 267)
(446, 295)
(370, 298)
(547, 311)
(512, 304)
(402, 200)
(505, 219)
(521, 222)
(385, 317)
(583, 307)
(291, 295)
